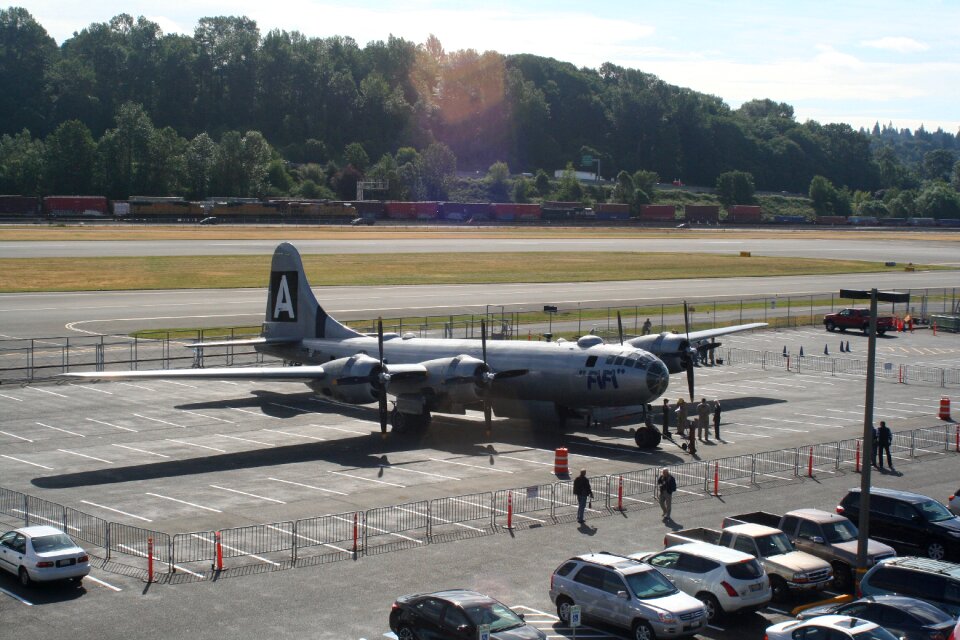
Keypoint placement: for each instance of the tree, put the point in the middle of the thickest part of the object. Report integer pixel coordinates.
(125, 152)
(522, 189)
(497, 181)
(439, 165)
(542, 182)
(200, 157)
(69, 160)
(938, 163)
(822, 194)
(569, 189)
(354, 154)
(735, 187)
(646, 181)
(623, 191)
(21, 164)
(26, 53)
(938, 200)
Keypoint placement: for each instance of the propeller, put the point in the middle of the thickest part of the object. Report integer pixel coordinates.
(620, 328)
(688, 359)
(384, 377)
(488, 379)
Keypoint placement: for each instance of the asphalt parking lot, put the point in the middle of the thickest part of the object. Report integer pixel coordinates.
(179, 457)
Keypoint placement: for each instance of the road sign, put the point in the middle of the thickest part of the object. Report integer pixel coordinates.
(483, 632)
(575, 616)
(586, 161)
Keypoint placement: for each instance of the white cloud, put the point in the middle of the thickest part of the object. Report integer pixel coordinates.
(898, 44)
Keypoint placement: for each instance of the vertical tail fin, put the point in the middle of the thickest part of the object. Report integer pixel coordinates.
(292, 310)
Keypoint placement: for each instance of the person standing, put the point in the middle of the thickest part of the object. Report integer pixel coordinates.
(884, 440)
(681, 412)
(666, 486)
(646, 327)
(716, 419)
(666, 418)
(581, 489)
(703, 419)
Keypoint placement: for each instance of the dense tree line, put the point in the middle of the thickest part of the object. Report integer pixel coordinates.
(121, 108)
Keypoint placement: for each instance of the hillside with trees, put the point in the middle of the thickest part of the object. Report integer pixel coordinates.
(121, 108)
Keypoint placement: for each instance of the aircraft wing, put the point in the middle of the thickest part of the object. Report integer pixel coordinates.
(706, 334)
(240, 342)
(296, 374)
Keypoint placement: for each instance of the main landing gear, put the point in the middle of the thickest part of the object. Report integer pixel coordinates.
(406, 422)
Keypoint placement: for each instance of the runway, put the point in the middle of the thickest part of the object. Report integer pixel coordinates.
(912, 247)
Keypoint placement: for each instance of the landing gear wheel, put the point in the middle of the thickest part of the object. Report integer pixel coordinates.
(647, 438)
(398, 421)
(936, 551)
(642, 631)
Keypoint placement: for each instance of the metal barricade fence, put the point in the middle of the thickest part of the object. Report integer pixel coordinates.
(565, 502)
(12, 503)
(331, 534)
(40, 511)
(460, 516)
(134, 541)
(86, 527)
(256, 541)
(929, 440)
(396, 526)
(690, 477)
(849, 454)
(825, 459)
(731, 474)
(638, 487)
(520, 503)
(195, 546)
(774, 466)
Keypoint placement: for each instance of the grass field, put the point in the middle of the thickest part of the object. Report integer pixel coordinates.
(208, 272)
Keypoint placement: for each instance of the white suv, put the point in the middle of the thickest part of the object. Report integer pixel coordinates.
(724, 579)
(625, 593)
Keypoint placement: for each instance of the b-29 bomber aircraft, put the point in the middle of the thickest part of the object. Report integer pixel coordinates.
(543, 381)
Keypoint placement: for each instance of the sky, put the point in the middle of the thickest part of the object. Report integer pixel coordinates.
(856, 62)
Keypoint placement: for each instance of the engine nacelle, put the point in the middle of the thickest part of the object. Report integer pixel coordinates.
(669, 347)
(351, 380)
(453, 380)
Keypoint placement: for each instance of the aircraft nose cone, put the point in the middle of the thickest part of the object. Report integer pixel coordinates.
(658, 378)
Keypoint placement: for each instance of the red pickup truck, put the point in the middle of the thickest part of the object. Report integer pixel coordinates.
(858, 319)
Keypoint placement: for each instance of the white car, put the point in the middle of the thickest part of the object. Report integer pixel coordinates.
(724, 580)
(42, 554)
(828, 627)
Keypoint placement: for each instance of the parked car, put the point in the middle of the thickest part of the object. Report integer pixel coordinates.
(723, 579)
(933, 581)
(858, 319)
(42, 554)
(904, 617)
(828, 628)
(911, 523)
(625, 593)
(457, 613)
(826, 535)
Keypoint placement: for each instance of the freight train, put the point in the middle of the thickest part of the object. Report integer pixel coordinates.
(301, 211)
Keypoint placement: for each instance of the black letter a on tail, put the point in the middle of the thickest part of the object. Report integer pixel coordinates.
(284, 291)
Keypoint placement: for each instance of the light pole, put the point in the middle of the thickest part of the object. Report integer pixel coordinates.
(864, 522)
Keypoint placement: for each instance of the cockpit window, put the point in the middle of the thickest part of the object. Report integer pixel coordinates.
(591, 361)
(609, 359)
(619, 360)
(629, 362)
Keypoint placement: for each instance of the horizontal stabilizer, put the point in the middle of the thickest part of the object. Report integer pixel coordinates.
(295, 374)
(242, 342)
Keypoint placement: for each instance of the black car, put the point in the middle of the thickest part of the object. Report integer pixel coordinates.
(906, 618)
(911, 523)
(456, 613)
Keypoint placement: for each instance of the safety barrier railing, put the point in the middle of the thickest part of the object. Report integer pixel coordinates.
(338, 536)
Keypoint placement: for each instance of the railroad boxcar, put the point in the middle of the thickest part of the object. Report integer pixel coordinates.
(744, 214)
(831, 220)
(702, 213)
(396, 210)
(509, 211)
(369, 208)
(550, 210)
(19, 206)
(658, 213)
(75, 206)
(426, 210)
(611, 211)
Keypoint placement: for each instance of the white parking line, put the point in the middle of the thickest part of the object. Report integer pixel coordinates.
(102, 583)
(137, 552)
(193, 444)
(295, 435)
(308, 486)
(124, 513)
(90, 387)
(244, 553)
(11, 398)
(83, 455)
(16, 597)
(323, 426)
(3, 455)
(546, 464)
(115, 426)
(13, 435)
(392, 484)
(72, 433)
(180, 384)
(258, 414)
(435, 475)
(203, 415)
(265, 444)
(172, 424)
(52, 393)
(475, 466)
(244, 493)
(152, 453)
(189, 504)
(136, 386)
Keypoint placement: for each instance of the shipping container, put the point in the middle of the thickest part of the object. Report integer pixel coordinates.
(426, 210)
(400, 210)
(658, 213)
(948, 222)
(744, 214)
(19, 206)
(702, 213)
(832, 220)
(508, 211)
(863, 220)
(893, 222)
(790, 220)
(90, 206)
(612, 211)
(463, 211)
(368, 208)
(922, 222)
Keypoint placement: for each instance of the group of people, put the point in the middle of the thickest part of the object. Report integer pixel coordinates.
(666, 487)
(698, 428)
